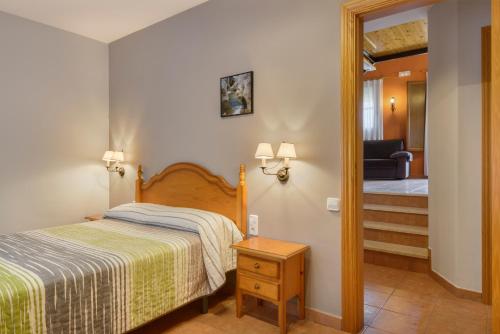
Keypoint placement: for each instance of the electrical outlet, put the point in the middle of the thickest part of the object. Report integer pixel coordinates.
(333, 204)
(253, 225)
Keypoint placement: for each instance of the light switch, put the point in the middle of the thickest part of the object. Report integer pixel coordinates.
(333, 204)
(253, 225)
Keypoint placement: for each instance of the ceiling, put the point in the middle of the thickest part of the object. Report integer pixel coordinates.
(397, 35)
(397, 19)
(396, 40)
(103, 20)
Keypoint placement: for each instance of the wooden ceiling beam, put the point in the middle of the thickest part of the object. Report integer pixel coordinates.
(400, 55)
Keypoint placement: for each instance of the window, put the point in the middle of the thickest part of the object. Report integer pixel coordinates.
(373, 111)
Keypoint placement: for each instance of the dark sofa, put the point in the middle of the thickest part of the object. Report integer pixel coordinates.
(386, 159)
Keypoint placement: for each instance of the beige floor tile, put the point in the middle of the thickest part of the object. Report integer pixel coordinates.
(373, 271)
(423, 285)
(416, 296)
(458, 316)
(375, 298)
(382, 284)
(370, 314)
(309, 327)
(385, 280)
(370, 330)
(192, 327)
(244, 325)
(444, 324)
(398, 323)
(419, 304)
(414, 308)
(461, 308)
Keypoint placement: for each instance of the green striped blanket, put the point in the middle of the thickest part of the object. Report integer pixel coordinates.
(108, 276)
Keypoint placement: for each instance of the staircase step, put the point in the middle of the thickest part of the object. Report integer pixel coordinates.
(396, 217)
(397, 261)
(400, 228)
(385, 247)
(415, 240)
(395, 208)
(396, 199)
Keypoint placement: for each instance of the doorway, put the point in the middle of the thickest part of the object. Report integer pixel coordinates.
(354, 13)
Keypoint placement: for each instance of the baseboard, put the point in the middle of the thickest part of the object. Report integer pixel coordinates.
(456, 291)
(323, 318)
(314, 315)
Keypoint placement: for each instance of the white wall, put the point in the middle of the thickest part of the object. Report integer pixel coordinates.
(455, 139)
(53, 125)
(165, 108)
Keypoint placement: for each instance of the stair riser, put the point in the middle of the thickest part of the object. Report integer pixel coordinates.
(414, 240)
(397, 261)
(410, 201)
(396, 217)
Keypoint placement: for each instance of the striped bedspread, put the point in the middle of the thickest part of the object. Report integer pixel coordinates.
(108, 276)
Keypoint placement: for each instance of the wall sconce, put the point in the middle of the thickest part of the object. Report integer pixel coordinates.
(393, 104)
(286, 152)
(114, 157)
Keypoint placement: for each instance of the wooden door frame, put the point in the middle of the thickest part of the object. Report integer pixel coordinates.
(354, 13)
(486, 162)
(495, 166)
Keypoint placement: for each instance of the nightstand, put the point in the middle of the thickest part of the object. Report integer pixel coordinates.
(271, 270)
(92, 218)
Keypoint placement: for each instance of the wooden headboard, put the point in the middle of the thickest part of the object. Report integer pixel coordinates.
(189, 185)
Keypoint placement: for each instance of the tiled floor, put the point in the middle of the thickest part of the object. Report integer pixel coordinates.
(221, 319)
(417, 187)
(398, 301)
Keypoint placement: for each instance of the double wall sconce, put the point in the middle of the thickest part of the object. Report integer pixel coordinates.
(113, 159)
(393, 104)
(286, 152)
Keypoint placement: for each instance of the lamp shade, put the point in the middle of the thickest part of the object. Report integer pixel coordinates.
(286, 150)
(118, 156)
(264, 151)
(108, 156)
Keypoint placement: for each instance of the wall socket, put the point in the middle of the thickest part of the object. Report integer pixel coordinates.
(333, 204)
(253, 225)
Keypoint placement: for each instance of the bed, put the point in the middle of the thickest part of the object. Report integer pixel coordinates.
(145, 259)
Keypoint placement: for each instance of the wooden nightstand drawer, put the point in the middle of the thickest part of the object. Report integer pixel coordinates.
(258, 266)
(259, 287)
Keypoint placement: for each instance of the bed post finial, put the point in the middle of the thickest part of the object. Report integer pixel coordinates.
(139, 172)
(242, 202)
(138, 185)
(242, 174)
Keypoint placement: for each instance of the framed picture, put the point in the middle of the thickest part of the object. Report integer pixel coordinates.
(236, 95)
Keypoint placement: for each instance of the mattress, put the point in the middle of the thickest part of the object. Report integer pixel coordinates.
(108, 276)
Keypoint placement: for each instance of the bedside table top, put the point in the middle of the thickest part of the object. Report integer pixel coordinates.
(270, 247)
(94, 217)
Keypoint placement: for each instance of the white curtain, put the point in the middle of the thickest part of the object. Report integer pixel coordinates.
(373, 110)
(426, 129)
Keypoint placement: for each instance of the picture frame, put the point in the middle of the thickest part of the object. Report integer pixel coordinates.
(236, 95)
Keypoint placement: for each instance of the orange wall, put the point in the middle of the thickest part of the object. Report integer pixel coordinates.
(395, 123)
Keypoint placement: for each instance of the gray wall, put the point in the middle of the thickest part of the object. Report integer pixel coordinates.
(164, 108)
(53, 125)
(455, 139)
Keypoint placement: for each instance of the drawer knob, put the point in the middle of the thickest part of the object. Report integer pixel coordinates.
(257, 286)
(256, 265)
